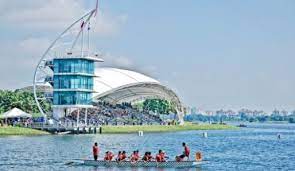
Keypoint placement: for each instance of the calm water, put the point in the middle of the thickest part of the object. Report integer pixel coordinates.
(255, 148)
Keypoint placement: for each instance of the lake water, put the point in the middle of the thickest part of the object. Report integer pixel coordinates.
(254, 148)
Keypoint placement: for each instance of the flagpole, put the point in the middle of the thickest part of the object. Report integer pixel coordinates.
(88, 32)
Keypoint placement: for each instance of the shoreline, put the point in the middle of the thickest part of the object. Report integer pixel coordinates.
(163, 128)
(20, 131)
(128, 129)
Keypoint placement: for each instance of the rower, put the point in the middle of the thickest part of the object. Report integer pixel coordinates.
(95, 151)
(137, 155)
(119, 156)
(145, 157)
(180, 158)
(198, 156)
(134, 156)
(186, 150)
(150, 157)
(123, 156)
(108, 156)
(160, 157)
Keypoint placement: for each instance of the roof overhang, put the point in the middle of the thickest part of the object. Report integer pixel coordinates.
(139, 91)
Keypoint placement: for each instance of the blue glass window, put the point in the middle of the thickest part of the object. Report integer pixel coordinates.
(72, 98)
(73, 82)
(73, 66)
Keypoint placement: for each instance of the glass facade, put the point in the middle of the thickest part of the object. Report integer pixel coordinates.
(72, 98)
(73, 81)
(73, 66)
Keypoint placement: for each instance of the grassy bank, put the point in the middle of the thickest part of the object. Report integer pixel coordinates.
(20, 131)
(164, 128)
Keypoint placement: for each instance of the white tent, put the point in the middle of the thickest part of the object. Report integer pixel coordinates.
(15, 113)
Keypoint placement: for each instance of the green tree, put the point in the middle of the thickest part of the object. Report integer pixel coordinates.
(159, 106)
(22, 100)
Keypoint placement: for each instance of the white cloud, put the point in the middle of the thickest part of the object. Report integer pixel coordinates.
(120, 61)
(54, 15)
(51, 14)
(34, 46)
(106, 24)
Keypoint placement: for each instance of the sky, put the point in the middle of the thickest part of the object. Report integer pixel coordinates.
(217, 54)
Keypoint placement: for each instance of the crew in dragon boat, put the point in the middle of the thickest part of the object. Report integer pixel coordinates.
(135, 157)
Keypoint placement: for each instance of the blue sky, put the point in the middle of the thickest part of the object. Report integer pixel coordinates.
(214, 54)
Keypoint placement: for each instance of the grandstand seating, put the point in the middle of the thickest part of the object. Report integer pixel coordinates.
(120, 114)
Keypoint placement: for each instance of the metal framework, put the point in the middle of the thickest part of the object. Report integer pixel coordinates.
(71, 40)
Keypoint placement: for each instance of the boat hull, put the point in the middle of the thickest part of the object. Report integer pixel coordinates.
(168, 164)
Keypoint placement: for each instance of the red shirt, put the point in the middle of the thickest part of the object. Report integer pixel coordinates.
(186, 151)
(137, 157)
(95, 150)
(160, 157)
(134, 157)
(163, 156)
(119, 157)
(123, 157)
(109, 157)
(145, 158)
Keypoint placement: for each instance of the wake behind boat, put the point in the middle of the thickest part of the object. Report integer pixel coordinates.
(167, 164)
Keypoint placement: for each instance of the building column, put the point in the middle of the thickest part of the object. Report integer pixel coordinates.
(78, 117)
(86, 116)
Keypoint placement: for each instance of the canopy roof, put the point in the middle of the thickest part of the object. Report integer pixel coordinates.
(15, 113)
(119, 85)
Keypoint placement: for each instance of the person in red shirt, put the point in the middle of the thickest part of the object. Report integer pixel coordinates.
(119, 156)
(108, 156)
(186, 151)
(163, 155)
(134, 156)
(95, 151)
(160, 157)
(123, 156)
(150, 157)
(137, 156)
(145, 157)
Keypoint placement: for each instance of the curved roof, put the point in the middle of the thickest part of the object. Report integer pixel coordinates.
(119, 85)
